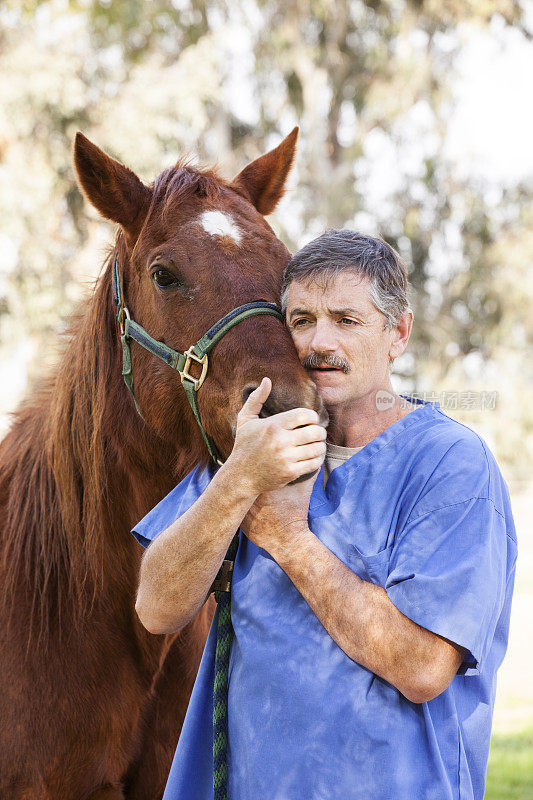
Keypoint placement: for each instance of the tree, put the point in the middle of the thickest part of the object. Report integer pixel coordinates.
(369, 85)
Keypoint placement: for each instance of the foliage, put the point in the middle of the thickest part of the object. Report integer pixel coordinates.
(510, 770)
(369, 83)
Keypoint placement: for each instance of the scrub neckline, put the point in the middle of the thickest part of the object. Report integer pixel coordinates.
(320, 494)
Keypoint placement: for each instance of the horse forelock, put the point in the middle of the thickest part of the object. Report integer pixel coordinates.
(175, 185)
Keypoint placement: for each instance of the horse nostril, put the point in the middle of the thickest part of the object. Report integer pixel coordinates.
(247, 391)
(282, 399)
(271, 406)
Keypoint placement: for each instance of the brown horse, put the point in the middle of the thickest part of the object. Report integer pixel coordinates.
(92, 703)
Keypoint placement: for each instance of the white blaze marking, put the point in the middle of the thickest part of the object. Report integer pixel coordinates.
(216, 223)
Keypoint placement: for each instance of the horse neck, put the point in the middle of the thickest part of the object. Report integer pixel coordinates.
(82, 468)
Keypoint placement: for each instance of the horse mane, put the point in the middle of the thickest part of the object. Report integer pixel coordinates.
(58, 480)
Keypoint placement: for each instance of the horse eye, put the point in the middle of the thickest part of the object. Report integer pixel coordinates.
(163, 278)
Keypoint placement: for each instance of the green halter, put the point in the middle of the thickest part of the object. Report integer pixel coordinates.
(181, 362)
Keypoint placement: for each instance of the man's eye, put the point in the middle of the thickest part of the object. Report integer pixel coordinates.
(297, 323)
(348, 321)
(163, 278)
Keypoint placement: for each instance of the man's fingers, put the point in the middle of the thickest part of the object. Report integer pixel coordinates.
(254, 404)
(297, 417)
(306, 467)
(307, 434)
(310, 451)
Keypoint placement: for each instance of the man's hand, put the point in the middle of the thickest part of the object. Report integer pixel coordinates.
(272, 452)
(278, 516)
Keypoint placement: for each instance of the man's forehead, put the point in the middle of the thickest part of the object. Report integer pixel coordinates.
(341, 290)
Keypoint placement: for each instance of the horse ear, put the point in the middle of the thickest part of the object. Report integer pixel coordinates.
(113, 189)
(263, 180)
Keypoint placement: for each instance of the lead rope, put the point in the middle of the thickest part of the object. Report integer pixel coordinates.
(220, 688)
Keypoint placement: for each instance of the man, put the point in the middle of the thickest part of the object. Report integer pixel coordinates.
(370, 607)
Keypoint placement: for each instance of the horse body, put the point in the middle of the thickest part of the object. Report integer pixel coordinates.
(93, 703)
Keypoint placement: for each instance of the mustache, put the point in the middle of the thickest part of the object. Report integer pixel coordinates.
(315, 360)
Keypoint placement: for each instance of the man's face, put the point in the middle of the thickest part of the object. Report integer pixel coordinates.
(340, 336)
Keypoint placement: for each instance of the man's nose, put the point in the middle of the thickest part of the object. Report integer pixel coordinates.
(324, 339)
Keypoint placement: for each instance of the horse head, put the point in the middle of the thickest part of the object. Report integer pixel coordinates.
(191, 248)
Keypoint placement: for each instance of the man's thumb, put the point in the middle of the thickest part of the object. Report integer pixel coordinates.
(254, 404)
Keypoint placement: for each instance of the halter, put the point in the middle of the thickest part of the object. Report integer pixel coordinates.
(181, 362)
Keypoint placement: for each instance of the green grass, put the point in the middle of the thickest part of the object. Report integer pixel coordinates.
(510, 771)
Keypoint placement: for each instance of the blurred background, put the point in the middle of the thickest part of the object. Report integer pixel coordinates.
(416, 123)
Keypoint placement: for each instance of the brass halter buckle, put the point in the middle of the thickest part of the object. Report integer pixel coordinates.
(184, 373)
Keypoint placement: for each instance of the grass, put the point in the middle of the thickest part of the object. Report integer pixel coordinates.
(510, 770)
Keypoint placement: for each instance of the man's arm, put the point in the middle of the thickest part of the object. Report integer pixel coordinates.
(179, 567)
(357, 614)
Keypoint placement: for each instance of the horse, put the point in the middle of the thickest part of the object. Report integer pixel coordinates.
(92, 702)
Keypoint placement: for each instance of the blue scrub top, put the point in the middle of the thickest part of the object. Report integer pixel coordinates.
(423, 511)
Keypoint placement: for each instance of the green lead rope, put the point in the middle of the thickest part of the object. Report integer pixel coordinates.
(220, 691)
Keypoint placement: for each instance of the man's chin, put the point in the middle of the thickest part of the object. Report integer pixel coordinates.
(330, 395)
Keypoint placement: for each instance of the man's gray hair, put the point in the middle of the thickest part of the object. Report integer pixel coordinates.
(348, 251)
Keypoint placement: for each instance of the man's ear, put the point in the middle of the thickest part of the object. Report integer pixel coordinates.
(263, 180)
(113, 189)
(401, 334)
